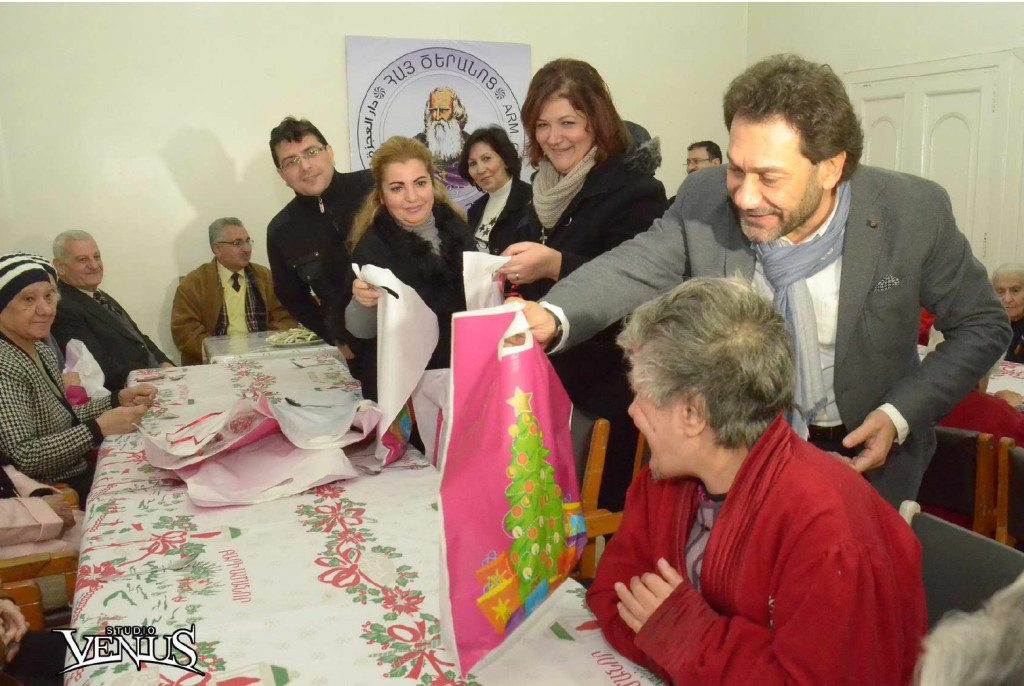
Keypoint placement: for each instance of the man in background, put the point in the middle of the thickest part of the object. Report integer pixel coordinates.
(701, 155)
(93, 317)
(306, 240)
(228, 295)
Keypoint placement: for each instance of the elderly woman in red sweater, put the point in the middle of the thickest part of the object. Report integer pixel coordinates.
(746, 555)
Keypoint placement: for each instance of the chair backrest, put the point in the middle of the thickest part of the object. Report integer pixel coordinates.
(580, 428)
(594, 474)
(961, 570)
(642, 455)
(1010, 493)
(961, 477)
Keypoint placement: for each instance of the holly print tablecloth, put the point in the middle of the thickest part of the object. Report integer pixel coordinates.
(337, 585)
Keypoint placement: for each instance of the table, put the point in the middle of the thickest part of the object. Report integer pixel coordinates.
(336, 585)
(1010, 377)
(255, 346)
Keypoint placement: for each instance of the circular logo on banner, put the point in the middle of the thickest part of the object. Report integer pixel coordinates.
(438, 96)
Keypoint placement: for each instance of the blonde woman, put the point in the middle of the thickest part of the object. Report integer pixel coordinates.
(407, 225)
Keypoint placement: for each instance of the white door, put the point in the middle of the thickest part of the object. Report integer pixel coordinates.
(951, 121)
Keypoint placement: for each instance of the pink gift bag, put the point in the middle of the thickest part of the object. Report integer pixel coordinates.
(511, 516)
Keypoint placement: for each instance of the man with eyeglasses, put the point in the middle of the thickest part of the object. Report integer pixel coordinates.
(93, 317)
(306, 240)
(227, 295)
(701, 155)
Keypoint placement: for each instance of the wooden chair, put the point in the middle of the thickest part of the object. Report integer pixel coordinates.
(69, 494)
(1010, 494)
(19, 578)
(960, 569)
(599, 522)
(961, 478)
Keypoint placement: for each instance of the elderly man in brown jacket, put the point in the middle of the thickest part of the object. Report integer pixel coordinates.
(228, 295)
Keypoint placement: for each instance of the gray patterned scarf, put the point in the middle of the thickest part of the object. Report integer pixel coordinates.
(553, 192)
(786, 267)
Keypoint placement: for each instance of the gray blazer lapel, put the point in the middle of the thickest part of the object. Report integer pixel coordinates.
(740, 260)
(861, 248)
(738, 252)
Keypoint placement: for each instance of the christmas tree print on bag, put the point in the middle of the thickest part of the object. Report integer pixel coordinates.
(511, 517)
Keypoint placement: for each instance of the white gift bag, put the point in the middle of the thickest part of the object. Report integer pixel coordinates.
(78, 359)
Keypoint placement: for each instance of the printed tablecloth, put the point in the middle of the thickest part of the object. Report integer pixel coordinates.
(1010, 377)
(254, 346)
(337, 585)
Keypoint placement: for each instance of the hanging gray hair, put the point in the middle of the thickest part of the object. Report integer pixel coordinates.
(64, 237)
(1008, 269)
(719, 343)
(982, 648)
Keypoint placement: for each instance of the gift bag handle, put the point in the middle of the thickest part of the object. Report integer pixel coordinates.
(518, 327)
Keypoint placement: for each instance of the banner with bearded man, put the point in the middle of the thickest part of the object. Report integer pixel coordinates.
(437, 92)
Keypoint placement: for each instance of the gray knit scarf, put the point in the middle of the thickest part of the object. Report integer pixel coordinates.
(552, 192)
(786, 267)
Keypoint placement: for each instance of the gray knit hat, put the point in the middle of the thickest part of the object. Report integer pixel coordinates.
(19, 269)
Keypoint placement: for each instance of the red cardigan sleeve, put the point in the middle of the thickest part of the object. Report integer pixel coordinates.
(836, 620)
(628, 554)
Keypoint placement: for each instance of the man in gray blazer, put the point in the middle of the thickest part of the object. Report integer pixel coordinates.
(848, 253)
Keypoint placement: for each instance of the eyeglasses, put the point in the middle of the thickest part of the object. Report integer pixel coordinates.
(690, 161)
(309, 153)
(238, 242)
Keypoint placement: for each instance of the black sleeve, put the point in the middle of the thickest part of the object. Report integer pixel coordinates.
(290, 289)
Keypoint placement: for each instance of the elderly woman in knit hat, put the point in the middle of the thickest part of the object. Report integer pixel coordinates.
(40, 432)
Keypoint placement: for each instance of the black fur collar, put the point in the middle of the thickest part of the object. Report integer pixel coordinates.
(412, 250)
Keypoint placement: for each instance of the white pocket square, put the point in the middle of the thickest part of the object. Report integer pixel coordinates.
(886, 283)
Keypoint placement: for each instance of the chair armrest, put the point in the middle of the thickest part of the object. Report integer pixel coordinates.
(69, 494)
(19, 579)
(29, 599)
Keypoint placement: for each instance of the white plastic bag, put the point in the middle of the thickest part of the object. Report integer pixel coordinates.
(78, 359)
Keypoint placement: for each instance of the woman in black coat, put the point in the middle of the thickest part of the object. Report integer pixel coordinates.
(407, 225)
(594, 189)
(491, 162)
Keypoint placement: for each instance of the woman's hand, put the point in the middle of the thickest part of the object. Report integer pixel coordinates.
(144, 394)
(120, 420)
(531, 262)
(61, 509)
(365, 294)
(13, 627)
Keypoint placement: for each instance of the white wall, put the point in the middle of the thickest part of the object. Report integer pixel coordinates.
(142, 123)
(859, 36)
